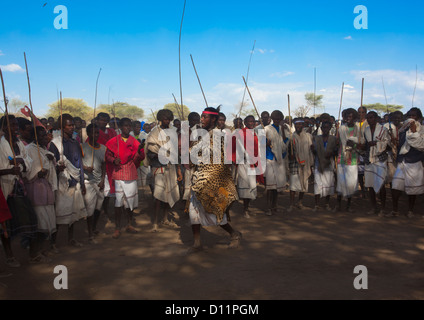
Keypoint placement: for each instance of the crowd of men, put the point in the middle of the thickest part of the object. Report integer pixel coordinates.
(55, 172)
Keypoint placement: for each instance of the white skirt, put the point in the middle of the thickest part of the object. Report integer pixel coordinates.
(324, 183)
(275, 175)
(375, 175)
(246, 182)
(166, 185)
(93, 198)
(409, 177)
(126, 193)
(347, 180)
(70, 205)
(46, 217)
(198, 215)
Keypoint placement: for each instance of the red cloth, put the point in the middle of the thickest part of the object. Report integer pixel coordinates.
(4, 209)
(27, 112)
(253, 151)
(104, 137)
(128, 154)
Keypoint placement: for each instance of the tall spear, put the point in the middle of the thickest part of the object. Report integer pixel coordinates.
(253, 102)
(362, 104)
(114, 116)
(178, 107)
(61, 123)
(94, 115)
(198, 79)
(32, 113)
(340, 110)
(416, 81)
(247, 79)
(290, 124)
(179, 59)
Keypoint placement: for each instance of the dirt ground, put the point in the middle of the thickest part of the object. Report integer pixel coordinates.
(289, 256)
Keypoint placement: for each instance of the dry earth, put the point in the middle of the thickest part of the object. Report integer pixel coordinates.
(298, 256)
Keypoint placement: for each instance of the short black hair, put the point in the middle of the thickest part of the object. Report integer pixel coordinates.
(165, 113)
(3, 120)
(418, 111)
(123, 120)
(23, 122)
(103, 115)
(91, 127)
(61, 120)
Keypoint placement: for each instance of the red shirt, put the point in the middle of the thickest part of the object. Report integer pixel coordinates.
(128, 154)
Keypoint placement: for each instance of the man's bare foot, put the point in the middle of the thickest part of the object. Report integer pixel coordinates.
(195, 249)
(155, 228)
(235, 240)
(168, 223)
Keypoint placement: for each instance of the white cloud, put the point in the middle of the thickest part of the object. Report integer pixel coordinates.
(348, 38)
(12, 68)
(282, 74)
(398, 84)
(263, 51)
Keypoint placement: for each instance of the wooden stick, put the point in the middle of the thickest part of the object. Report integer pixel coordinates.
(61, 123)
(179, 59)
(247, 79)
(290, 124)
(154, 117)
(114, 119)
(6, 113)
(32, 114)
(387, 105)
(198, 79)
(340, 110)
(177, 106)
(416, 81)
(94, 116)
(253, 102)
(362, 103)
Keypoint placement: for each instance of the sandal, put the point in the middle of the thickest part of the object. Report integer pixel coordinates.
(116, 234)
(13, 263)
(131, 230)
(40, 259)
(75, 243)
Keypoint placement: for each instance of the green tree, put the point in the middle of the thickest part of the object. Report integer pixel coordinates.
(72, 106)
(314, 101)
(382, 108)
(176, 110)
(122, 110)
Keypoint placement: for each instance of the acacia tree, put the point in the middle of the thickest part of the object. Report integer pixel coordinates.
(75, 107)
(382, 108)
(122, 110)
(313, 102)
(176, 110)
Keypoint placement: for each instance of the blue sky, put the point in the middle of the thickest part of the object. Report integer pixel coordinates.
(136, 45)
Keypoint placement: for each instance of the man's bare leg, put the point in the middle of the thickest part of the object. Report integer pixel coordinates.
(235, 235)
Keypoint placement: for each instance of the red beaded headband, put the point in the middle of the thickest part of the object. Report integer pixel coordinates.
(213, 113)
